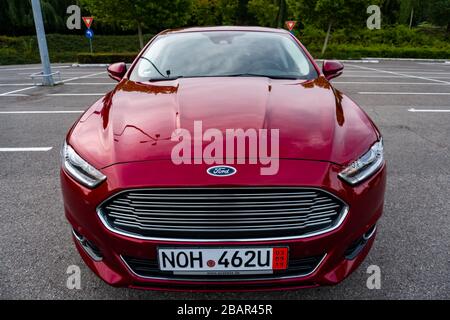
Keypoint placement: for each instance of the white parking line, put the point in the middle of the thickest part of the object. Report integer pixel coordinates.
(41, 112)
(402, 74)
(390, 83)
(428, 110)
(83, 77)
(33, 68)
(409, 93)
(367, 76)
(94, 77)
(400, 71)
(64, 81)
(69, 84)
(406, 70)
(90, 83)
(73, 94)
(15, 91)
(385, 77)
(42, 149)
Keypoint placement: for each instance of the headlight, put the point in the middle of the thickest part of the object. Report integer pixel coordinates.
(365, 166)
(79, 169)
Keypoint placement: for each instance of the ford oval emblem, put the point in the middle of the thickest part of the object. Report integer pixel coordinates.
(221, 171)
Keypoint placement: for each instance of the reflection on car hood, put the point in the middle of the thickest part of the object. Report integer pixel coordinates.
(135, 121)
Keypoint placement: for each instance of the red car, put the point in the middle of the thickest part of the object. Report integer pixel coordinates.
(224, 159)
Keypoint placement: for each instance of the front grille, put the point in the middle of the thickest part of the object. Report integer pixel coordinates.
(222, 213)
(296, 268)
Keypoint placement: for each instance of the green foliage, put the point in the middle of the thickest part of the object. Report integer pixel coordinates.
(123, 16)
(16, 16)
(400, 36)
(64, 48)
(265, 12)
(127, 57)
(343, 13)
(151, 14)
(439, 13)
(217, 12)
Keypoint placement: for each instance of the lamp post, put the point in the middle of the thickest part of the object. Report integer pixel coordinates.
(47, 78)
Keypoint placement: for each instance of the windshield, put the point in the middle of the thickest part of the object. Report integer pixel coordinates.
(223, 53)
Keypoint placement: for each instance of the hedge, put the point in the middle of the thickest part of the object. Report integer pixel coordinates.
(358, 52)
(127, 57)
(64, 48)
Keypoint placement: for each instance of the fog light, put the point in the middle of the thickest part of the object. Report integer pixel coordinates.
(91, 249)
(356, 247)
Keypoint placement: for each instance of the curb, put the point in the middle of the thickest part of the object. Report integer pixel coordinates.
(445, 61)
(368, 60)
(92, 65)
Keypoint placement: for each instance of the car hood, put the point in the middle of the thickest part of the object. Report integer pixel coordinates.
(135, 121)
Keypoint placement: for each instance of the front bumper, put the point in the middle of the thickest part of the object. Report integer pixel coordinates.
(365, 203)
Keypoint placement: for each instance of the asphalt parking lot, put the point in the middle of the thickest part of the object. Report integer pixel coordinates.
(408, 100)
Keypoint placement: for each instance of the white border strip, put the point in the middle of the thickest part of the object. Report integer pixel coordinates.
(39, 149)
(41, 112)
(408, 93)
(428, 110)
(73, 94)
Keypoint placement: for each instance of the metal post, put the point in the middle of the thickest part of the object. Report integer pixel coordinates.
(47, 79)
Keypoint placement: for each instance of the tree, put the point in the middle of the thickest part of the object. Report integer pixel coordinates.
(139, 14)
(390, 10)
(205, 13)
(16, 16)
(303, 11)
(341, 13)
(269, 13)
(439, 11)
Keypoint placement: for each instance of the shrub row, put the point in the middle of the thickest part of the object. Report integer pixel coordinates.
(400, 36)
(127, 57)
(64, 48)
(383, 51)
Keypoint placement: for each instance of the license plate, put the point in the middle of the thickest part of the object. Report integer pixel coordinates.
(222, 260)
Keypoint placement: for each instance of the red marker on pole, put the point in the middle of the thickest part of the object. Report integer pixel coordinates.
(290, 25)
(88, 21)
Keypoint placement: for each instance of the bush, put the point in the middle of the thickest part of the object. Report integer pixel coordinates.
(65, 48)
(381, 51)
(388, 42)
(127, 57)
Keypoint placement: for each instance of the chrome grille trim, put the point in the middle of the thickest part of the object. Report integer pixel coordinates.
(320, 213)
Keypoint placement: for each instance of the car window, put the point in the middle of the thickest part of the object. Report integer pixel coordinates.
(223, 53)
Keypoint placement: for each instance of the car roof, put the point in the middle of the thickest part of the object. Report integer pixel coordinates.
(224, 28)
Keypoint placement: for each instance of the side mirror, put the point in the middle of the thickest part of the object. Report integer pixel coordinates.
(332, 69)
(116, 71)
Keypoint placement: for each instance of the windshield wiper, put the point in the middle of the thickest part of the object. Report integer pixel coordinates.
(168, 78)
(156, 68)
(286, 77)
(165, 79)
